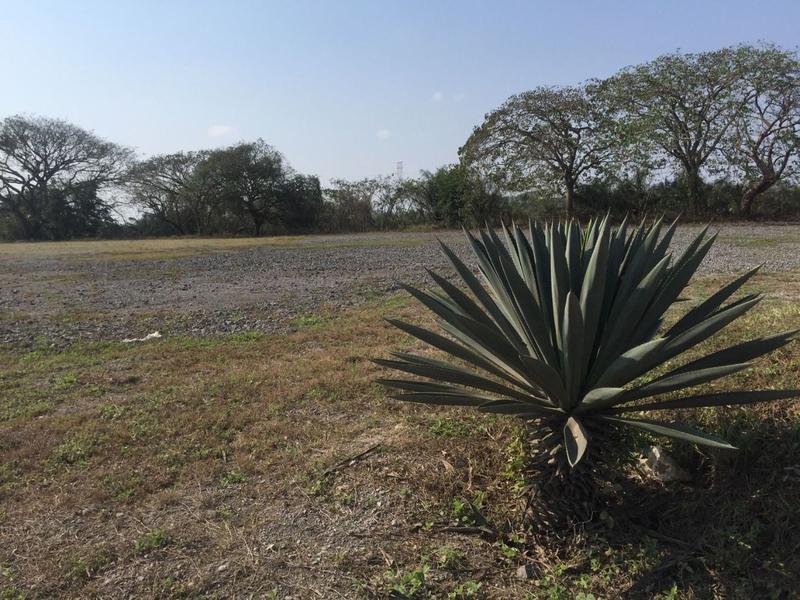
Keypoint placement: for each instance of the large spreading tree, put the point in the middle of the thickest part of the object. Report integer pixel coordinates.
(682, 106)
(764, 141)
(551, 136)
(168, 188)
(51, 176)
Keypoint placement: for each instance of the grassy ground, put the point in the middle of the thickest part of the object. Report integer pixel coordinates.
(222, 468)
(179, 247)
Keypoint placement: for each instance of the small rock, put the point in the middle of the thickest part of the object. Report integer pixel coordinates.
(222, 567)
(527, 571)
(663, 467)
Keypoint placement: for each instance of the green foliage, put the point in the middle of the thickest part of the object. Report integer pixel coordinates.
(465, 591)
(454, 195)
(547, 138)
(57, 197)
(567, 330)
(153, 540)
(468, 512)
(410, 585)
(232, 478)
(444, 427)
(245, 187)
(75, 449)
(449, 558)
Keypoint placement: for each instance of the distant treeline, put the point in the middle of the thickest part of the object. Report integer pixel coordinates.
(709, 135)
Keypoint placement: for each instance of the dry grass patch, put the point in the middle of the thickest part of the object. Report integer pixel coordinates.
(214, 468)
(180, 247)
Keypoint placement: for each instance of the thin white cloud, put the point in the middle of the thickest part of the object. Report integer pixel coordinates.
(219, 130)
(459, 97)
(437, 96)
(383, 134)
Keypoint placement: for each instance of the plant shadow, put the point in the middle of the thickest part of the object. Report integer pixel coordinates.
(734, 531)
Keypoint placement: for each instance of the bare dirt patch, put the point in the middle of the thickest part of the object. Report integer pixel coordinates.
(57, 293)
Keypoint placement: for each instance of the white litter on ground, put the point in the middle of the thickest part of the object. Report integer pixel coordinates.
(150, 336)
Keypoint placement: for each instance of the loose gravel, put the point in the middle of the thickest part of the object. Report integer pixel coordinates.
(56, 300)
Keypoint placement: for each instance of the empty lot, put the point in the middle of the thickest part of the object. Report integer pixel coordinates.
(217, 461)
(63, 292)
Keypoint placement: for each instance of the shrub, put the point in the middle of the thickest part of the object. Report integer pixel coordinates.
(565, 333)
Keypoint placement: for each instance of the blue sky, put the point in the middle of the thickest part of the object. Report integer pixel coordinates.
(342, 88)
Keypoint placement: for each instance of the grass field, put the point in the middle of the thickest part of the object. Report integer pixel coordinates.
(187, 467)
(178, 247)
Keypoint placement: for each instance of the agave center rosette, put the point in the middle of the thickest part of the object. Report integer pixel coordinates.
(567, 326)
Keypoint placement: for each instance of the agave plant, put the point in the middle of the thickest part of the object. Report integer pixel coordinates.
(565, 331)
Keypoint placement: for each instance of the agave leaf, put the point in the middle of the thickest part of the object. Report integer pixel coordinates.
(675, 283)
(480, 293)
(459, 351)
(512, 369)
(490, 260)
(559, 283)
(464, 302)
(452, 374)
(592, 293)
(541, 259)
(443, 399)
(486, 335)
(520, 409)
(526, 264)
(572, 353)
(630, 364)
(547, 378)
(674, 430)
(706, 400)
(573, 254)
(740, 353)
(521, 305)
(598, 399)
(413, 385)
(576, 440)
(663, 245)
(635, 305)
(641, 359)
(691, 249)
(675, 381)
(702, 310)
(706, 328)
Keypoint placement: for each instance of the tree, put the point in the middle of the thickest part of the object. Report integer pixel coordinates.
(454, 195)
(764, 145)
(350, 204)
(47, 168)
(251, 180)
(169, 187)
(683, 105)
(555, 136)
(302, 202)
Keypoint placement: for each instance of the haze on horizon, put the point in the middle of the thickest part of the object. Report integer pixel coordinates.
(342, 89)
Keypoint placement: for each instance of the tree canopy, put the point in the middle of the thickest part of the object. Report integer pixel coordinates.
(706, 133)
(51, 174)
(552, 136)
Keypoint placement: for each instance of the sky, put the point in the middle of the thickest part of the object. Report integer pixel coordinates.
(343, 88)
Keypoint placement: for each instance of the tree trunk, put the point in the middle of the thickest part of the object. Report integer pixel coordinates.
(22, 220)
(695, 186)
(569, 199)
(752, 193)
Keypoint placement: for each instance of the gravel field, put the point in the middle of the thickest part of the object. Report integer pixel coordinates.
(56, 297)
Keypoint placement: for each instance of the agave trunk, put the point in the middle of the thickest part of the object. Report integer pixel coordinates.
(558, 495)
